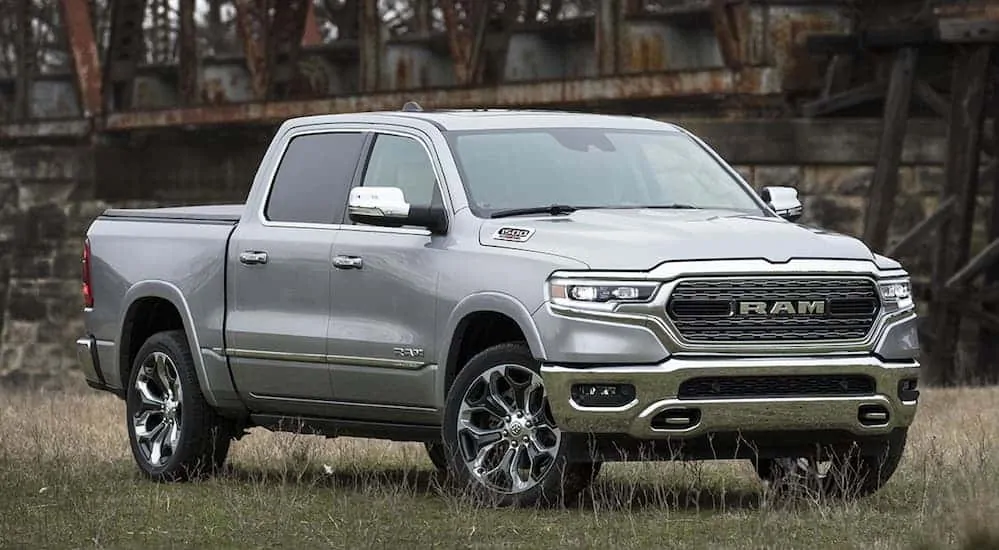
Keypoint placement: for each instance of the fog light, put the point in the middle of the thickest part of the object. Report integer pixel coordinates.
(603, 395)
(907, 389)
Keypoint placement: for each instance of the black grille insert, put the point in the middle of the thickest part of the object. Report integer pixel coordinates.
(818, 385)
(764, 309)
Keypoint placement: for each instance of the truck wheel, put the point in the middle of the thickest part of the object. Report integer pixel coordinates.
(848, 475)
(175, 435)
(501, 440)
(437, 454)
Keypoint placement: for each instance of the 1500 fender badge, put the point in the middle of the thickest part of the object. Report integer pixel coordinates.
(515, 234)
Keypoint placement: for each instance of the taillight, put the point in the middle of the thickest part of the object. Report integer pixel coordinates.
(88, 295)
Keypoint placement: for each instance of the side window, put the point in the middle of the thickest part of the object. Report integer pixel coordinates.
(402, 162)
(313, 179)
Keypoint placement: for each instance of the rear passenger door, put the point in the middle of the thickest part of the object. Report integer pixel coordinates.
(279, 281)
(382, 337)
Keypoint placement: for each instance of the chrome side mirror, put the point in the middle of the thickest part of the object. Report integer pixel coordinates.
(387, 207)
(378, 205)
(783, 201)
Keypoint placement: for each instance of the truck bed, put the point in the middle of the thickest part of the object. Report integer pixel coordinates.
(223, 213)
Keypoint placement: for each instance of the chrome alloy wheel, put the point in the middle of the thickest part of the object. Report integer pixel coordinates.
(802, 469)
(159, 418)
(506, 436)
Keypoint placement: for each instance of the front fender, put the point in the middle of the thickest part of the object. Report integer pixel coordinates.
(497, 302)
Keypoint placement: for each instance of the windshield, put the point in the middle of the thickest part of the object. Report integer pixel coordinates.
(585, 167)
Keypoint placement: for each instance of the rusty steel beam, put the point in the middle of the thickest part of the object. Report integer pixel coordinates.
(606, 26)
(727, 32)
(287, 27)
(188, 55)
(125, 51)
(459, 40)
(311, 35)
(251, 25)
(369, 29)
(748, 81)
(86, 64)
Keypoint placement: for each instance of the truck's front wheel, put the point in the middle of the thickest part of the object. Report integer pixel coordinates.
(502, 442)
(845, 475)
(174, 433)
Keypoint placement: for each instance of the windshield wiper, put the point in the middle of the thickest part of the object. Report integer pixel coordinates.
(671, 207)
(554, 210)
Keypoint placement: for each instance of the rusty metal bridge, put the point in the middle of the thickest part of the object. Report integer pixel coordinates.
(91, 70)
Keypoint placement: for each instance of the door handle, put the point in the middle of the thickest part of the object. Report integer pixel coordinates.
(347, 262)
(252, 257)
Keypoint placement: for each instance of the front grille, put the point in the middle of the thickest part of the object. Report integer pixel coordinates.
(773, 309)
(776, 386)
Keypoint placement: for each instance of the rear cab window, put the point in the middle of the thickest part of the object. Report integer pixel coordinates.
(314, 177)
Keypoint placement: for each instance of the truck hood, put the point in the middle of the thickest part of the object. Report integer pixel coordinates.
(644, 238)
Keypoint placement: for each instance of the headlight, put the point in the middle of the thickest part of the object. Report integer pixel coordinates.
(896, 293)
(577, 291)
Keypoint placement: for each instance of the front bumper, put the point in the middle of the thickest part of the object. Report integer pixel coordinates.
(657, 389)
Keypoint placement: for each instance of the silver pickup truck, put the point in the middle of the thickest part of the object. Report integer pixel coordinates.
(529, 294)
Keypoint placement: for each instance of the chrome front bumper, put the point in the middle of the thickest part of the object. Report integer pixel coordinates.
(657, 387)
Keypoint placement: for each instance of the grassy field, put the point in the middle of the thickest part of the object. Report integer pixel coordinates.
(67, 481)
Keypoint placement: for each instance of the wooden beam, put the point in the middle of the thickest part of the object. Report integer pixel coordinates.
(961, 169)
(845, 99)
(988, 344)
(884, 185)
(923, 228)
(932, 99)
(983, 260)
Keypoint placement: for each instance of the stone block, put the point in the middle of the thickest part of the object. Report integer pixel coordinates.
(835, 213)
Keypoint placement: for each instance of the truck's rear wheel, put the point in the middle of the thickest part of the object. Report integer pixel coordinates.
(844, 475)
(175, 435)
(501, 441)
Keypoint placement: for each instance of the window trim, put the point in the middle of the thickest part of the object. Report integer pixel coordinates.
(368, 130)
(272, 175)
(362, 169)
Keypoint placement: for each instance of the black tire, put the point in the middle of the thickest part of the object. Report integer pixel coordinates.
(850, 475)
(559, 481)
(204, 437)
(437, 454)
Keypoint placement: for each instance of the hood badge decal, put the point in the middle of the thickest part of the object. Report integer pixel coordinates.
(514, 234)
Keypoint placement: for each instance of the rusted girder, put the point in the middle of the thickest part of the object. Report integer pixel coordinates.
(188, 55)
(86, 64)
(252, 26)
(285, 43)
(125, 51)
(466, 36)
(748, 81)
(369, 30)
(311, 35)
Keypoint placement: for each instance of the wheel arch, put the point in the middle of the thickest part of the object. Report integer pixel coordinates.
(483, 307)
(138, 297)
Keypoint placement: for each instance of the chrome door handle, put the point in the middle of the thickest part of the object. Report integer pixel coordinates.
(252, 257)
(347, 262)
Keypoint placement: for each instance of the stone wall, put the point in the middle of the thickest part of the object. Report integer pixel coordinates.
(50, 194)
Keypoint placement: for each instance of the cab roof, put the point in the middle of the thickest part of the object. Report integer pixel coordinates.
(493, 119)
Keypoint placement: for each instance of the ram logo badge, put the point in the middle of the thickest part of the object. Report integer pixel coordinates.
(801, 307)
(514, 234)
(408, 353)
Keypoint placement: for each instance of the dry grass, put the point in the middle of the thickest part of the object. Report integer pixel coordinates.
(67, 480)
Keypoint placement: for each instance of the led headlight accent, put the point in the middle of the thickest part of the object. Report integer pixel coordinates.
(576, 291)
(896, 293)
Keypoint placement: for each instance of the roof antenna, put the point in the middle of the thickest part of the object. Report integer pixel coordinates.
(412, 106)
